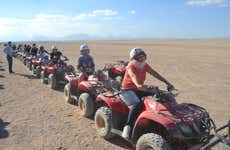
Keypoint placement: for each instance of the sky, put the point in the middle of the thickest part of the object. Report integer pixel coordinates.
(113, 19)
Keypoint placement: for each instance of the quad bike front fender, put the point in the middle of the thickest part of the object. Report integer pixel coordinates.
(73, 82)
(147, 116)
(50, 70)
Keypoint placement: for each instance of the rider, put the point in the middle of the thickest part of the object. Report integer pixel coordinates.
(56, 55)
(34, 50)
(133, 88)
(42, 53)
(85, 63)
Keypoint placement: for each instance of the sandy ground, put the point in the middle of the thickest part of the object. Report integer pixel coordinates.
(32, 116)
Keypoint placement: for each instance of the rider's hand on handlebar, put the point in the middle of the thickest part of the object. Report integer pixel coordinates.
(142, 87)
(170, 87)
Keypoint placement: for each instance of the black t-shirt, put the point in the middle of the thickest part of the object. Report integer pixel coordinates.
(34, 50)
(55, 56)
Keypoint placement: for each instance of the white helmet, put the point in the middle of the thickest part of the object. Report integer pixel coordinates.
(84, 47)
(54, 47)
(136, 52)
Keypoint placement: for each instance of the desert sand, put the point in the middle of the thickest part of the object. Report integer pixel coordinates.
(32, 116)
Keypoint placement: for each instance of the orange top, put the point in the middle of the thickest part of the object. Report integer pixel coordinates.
(140, 73)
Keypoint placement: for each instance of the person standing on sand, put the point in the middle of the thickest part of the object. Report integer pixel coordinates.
(9, 55)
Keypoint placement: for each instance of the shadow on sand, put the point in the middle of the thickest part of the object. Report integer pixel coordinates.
(1, 68)
(3, 132)
(2, 76)
(2, 87)
(60, 88)
(118, 141)
(26, 76)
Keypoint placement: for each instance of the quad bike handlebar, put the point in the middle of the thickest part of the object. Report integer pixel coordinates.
(159, 93)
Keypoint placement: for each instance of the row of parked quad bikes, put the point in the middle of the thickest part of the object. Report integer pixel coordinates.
(161, 123)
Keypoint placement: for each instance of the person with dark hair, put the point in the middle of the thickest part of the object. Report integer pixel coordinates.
(42, 53)
(9, 55)
(34, 50)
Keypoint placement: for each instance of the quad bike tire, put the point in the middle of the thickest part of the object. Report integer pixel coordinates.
(67, 94)
(43, 80)
(38, 72)
(52, 81)
(30, 66)
(104, 123)
(152, 141)
(27, 64)
(33, 69)
(86, 105)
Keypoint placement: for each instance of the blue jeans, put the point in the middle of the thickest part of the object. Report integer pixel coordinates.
(133, 98)
(10, 62)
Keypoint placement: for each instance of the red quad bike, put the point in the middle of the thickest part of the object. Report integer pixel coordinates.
(83, 92)
(24, 58)
(29, 61)
(37, 66)
(45, 71)
(19, 55)
(57, 76)
(116, 71)
(218, 138)
(161, 122)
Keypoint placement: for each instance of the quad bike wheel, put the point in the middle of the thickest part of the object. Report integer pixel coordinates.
(30, 66)
(151, 141)
(27, 64)
(34, 69)
(38, 72)
(103, 122)
(43, 78)
(52, 81)
(86, 105)
(67, 94)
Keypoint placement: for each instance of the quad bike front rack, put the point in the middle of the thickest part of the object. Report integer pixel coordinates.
(218, 138)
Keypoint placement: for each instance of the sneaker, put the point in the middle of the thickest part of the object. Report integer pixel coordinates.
(126, 131)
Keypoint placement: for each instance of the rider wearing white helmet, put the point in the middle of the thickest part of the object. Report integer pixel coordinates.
(85, 63)
(133, 88)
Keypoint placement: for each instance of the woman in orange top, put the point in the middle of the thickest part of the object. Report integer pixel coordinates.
(133, 87)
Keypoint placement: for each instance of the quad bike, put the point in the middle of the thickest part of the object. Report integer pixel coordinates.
(20, 56)
(160, 124)
(29, 61)
(116, 71)
(217, 138)
(24, 55)
(83, 91)
(37, 65)
(58, 75)
(45, 71)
